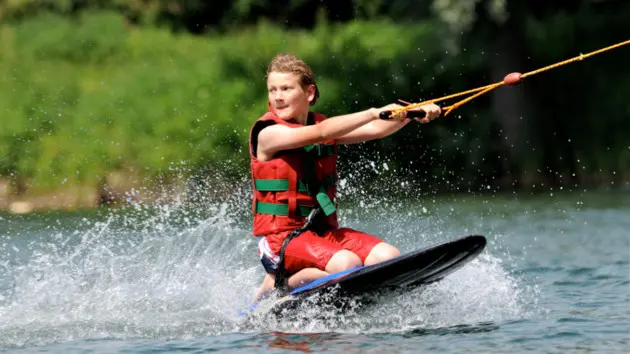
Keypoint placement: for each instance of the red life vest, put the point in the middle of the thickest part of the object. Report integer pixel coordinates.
(281, 185)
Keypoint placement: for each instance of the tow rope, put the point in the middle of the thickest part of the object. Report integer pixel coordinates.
(511, 79)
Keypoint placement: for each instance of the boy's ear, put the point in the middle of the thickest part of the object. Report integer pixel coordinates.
(310, 93)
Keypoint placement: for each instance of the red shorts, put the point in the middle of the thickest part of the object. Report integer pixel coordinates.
(310, 250)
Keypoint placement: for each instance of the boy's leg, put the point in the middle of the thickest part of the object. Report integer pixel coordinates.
(369, 248)
(380, 253)
(304, 277)
(266, 287)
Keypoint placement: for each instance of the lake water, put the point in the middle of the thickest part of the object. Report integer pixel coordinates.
(554, 278)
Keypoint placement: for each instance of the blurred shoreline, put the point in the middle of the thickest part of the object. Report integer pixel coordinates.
(118, 189)
(123, 190)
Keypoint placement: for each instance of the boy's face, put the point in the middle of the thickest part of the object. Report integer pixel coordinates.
(287, 97)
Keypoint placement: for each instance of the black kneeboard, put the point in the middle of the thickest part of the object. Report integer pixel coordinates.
(408, 271)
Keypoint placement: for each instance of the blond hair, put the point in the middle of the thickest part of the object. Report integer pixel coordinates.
(289, 63)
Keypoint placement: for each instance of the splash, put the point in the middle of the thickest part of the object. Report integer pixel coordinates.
(165, 271)
(184, 269)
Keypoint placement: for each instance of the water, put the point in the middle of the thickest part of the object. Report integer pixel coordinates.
(555, 277)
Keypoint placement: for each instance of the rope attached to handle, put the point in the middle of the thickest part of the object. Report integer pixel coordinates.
(511, 79)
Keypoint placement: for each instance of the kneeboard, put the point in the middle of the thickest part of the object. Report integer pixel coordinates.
(408, 271)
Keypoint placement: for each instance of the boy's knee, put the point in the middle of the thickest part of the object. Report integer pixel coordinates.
(381, 252)
(343, 260)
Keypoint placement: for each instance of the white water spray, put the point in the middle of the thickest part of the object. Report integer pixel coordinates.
(175, 272)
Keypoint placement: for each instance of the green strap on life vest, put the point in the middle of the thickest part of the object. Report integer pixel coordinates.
(280, 209)
(328, 207)
(282, 185)
(322, 149)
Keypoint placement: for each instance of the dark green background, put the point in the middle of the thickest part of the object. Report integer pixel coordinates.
(168, 89)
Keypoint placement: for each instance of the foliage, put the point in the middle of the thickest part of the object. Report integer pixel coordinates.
(94, 86)
(110, 96)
